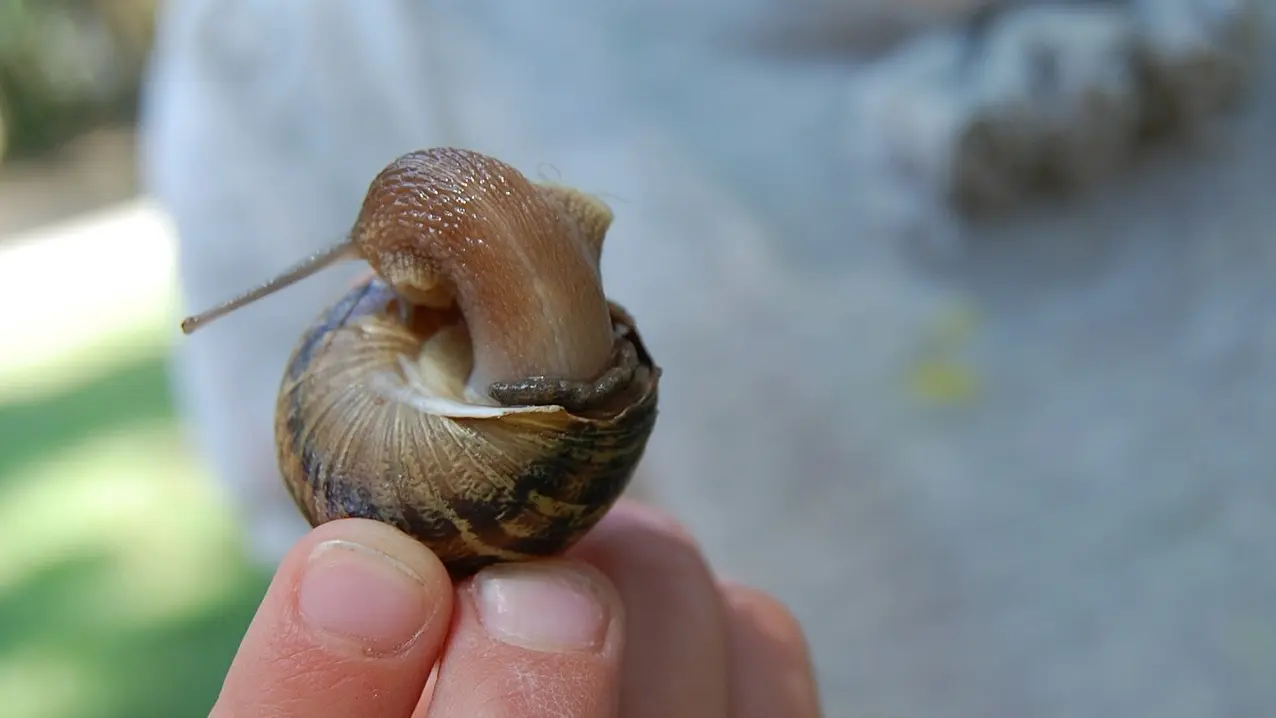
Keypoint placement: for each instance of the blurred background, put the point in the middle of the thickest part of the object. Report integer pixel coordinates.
(123, 586)
(1025, 475)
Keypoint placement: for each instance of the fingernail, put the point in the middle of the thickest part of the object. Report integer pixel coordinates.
(542, 607)
(363, 595)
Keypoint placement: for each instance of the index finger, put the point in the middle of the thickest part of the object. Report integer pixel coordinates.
(351, 626)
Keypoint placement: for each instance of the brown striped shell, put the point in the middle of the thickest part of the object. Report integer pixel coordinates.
(357, 436)
(479, 392)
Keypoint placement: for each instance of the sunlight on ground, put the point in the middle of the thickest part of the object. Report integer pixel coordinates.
(123, 590)
(85, 296)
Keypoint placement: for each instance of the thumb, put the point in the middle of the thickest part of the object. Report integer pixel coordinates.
(351, 626)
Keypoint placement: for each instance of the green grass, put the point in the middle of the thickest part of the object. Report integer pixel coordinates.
(123, 591)
(130, 395)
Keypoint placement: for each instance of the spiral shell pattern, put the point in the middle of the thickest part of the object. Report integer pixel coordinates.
(516, 485)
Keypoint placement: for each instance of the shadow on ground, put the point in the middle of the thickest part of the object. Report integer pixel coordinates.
(167, 669)
(134, 394)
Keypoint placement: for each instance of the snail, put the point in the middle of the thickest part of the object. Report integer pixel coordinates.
(478, 390)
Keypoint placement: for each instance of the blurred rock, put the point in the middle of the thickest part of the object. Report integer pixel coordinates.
(1055, 103)
(1198, 58)
(1053, 98)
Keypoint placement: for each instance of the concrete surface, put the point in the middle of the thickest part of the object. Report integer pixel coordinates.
(1030, 477)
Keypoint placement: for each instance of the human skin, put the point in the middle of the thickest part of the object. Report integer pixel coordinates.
(632, 622)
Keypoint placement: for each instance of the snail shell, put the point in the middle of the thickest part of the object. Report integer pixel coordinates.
(479, 392)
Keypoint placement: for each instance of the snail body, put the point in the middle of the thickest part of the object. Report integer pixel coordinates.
(478, 391)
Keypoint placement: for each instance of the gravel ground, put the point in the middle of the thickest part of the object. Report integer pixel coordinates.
(1028, 476)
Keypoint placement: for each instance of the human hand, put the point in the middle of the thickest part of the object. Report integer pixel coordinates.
(630, 623)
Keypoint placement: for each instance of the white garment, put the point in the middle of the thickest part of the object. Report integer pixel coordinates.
(1035, 480)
